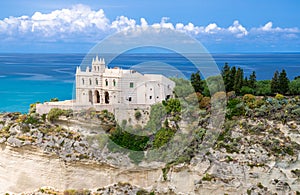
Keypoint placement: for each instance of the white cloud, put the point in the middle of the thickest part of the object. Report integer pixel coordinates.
(163, 24)
(123, 23)
(268, 27)
(144, 23)
(238, 29)
(212, 28)
(81, 21)
(77, 19)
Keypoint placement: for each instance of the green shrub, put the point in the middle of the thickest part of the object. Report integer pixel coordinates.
(248, 192)
(235, 107)
(77, 192)
(263, 88)
(260, 185)
(54, 100)
(32, 108)
(137, 115)
(207, 177)
(162, 137)
(296, 112)
(44, 116)
(31, 120)
(55, 113)
(246, 90)
(296, 172)
(294, 86)
(183, 88)
(157, 115)
(173, 106)
(142, 192)
(279, 96)
(231, 95)
(205, 102)
(165, 171)
(128, 140)
(248, 98)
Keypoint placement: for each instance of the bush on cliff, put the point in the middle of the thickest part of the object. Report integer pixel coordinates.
(55, 113)
(162, 137)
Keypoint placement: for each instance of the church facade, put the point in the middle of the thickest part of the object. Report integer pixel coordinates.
(99, 85)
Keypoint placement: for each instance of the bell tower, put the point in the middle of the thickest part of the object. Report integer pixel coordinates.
(98, 65)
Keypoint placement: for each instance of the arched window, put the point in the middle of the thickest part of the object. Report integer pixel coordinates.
(106, 82)
(114, 82)
(90, 81)
(96, 81)
(83, 81)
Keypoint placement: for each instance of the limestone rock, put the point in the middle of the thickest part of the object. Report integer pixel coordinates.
(2, 140)
(14, 141)
(14, 129)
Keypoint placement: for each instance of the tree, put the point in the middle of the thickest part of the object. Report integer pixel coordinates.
(294, 87)
(263, 88)
(226, 76)
(246, 90)
(275, 83)
(246, 82)
(183, 87)
(252, 80)
(196, 82)
(231, 79)
(238, 80)
(283, 82)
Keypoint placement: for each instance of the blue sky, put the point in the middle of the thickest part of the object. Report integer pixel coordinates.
(221, 25)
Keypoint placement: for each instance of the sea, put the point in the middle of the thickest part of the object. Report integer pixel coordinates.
(29, 78)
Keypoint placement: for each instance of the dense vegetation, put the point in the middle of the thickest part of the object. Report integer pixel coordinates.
(156, 133)
(197, 93)
(235, 80)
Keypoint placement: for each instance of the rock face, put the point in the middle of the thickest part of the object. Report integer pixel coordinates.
(252, 155)
(26, 169)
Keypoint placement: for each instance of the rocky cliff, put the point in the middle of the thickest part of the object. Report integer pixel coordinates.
(257, 152)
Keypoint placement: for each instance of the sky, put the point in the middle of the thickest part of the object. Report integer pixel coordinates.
(222, 26)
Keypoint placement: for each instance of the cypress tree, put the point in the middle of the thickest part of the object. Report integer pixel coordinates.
(231, 79)
(252, 80)
(246, 82)
(283, 82)
(196, 82)
(238, 80)
(275, 83)
(226, 76)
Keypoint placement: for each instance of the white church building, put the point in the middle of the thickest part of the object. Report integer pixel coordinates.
(99, 85)
(102, 88)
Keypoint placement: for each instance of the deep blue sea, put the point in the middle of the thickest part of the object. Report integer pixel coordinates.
(29, 78)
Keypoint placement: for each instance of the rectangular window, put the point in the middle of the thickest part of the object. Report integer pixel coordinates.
(131, 84)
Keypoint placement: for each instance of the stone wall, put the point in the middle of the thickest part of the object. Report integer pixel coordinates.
(121, 112)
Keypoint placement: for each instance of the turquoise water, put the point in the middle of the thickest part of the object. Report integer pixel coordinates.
(29, 78)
